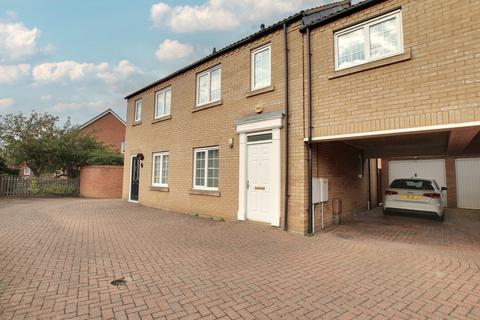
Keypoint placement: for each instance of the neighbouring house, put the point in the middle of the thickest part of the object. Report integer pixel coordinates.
(104, 181)
(108, 128)
(24, 171)
(245, 132)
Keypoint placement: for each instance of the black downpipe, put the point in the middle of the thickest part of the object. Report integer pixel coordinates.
(285, 224)
(310, 162)
(369, 185)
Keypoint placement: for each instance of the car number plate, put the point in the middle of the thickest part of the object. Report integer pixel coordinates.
(410, 197)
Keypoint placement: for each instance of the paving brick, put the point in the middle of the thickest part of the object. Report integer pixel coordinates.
(58, 258)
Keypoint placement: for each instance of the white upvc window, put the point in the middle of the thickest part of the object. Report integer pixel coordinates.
(27, 171)
(160, 169)
(369, 41)
(206, 167)
(138, 110)
(209, 86)
(261, 67)
(163, 102)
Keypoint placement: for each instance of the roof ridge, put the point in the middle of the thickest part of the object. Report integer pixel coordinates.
(101, 115)
(234, 45)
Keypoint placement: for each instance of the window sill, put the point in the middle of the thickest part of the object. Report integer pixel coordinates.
(260, 91)
(163, 118)
(207, 106)
(136, 123)
(211, 193)
(407, 55)
(162, 189)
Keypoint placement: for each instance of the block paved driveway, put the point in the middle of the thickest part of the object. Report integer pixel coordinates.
(58, 257)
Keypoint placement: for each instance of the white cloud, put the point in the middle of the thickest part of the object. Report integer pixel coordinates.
(173, 49)
(6, 103)
(121, 72)
(63, 107)
(74, 71)
(159, 12)
(56, 71)
(11, 73)
(46, 97)
(224, 14)
(17, 42)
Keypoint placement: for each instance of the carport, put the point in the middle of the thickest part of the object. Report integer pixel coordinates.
(360, 166)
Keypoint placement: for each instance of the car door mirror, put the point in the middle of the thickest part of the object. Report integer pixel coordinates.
(444, 189)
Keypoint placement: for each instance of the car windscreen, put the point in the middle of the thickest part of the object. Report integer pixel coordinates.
(412, 184)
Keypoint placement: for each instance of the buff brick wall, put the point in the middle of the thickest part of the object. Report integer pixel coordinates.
(101, 182)
(339, 163)
(438, 85)
(109, 130)
(188, 129)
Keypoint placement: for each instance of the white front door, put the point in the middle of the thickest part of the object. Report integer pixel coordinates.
(260, 192)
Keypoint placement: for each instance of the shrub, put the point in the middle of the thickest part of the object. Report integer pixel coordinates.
(59, 190)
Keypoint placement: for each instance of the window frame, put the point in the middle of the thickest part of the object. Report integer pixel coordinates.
(365, 26)
(255, 51)
(205, 185)
(209, 73)
(27, 171)
(155, 109)
(161, 155)
(135, 108)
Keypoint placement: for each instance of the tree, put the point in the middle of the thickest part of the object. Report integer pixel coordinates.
(5, 170)
(44, 146)
(30, 140)
(75, 149)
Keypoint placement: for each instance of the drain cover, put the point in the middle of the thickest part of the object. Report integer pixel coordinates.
(119, 282)
(344, 236)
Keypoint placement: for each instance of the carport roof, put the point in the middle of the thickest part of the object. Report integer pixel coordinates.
(444, 140)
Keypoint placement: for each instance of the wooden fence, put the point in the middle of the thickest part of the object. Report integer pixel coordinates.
(11, 186)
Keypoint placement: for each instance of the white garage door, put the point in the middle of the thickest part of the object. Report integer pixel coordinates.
(468, 183)
(429, 169)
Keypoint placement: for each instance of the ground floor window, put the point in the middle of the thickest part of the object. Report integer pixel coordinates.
(160, 169)
(206, 167)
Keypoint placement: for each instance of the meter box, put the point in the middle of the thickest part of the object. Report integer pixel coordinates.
(319, 190)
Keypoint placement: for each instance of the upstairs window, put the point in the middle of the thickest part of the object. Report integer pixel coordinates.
(138, 110)
(261, 67)
(206, 169)
(163, 101)
(209, 86)
(160, 169)
(369, 41)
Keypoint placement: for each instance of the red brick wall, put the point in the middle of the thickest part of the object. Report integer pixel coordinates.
(102, 182)
(108, 130)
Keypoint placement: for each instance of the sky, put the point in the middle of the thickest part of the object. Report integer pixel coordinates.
(75, 59)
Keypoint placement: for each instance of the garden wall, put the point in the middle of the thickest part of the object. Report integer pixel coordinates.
(102, 182)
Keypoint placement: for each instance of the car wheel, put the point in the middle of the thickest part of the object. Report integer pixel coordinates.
(441, 218)
(385, 212)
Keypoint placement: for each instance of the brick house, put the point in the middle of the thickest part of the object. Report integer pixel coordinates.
(324, 93)
(108, 127)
